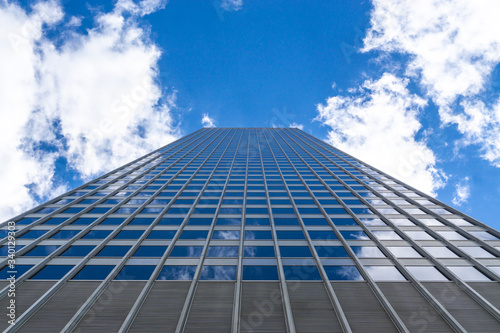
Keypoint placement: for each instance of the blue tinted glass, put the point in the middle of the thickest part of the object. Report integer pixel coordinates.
(112, 221)
(27, 220)
(141, 221)
(290, 221)
(321, 221)
(222, 251)
(83, 221)
(114, 251)
(186, 251)
(19, 270)
(4, 250)
(258, 251)
(321, 234)
(295, 251)
(301, 273)
(33, 234)
(125, 210)
(258, 234)
(171, 221)
(52, 272)
(99, 210)
(135, 272)
(256, 210)
(77, 251)
(257, 221)
(53, 209)
(226, 234)
(177, 273)
(55, 220)
(42, 251)
(129, 234)
(260, 273)
(331, 251)
(162, 234)
(335, 210)
(97, 234)
(343, 221)
(354, 235)
(194, 234)
(290, 234)
(346, 273)
(94, 272)
(199, 221)
(218, 273)
(71, 210)
(150, 251)
(65, 234)
(223, 221)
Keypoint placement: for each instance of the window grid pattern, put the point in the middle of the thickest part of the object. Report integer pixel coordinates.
(247, 205)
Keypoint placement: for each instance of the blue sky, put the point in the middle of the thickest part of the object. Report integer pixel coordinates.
(409, 87)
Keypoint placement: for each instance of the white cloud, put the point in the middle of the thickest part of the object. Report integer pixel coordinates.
(378, 124)
(207, 121)
(231, 5)
(462, 192)
(454, 46)
(295, 125)
(94, 99)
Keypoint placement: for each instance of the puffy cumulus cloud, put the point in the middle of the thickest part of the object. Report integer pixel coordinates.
(296, 125)
(92, 99)
(454, 46)
(462, 192)
(377, 123)
(207, 121)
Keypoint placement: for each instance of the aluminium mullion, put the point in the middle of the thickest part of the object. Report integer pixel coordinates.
(331, 293)
(149, 284)
(59, 250)
(239, 269)
(44, 218)
(422, 194)
(422, 290)
(194, 283)
(44, 298)
(290, 324)
(376, 290)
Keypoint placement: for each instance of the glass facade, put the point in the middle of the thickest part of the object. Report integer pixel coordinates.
(225, 210)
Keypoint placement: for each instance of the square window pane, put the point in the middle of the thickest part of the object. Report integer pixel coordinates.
(301, 273)
(177, 272)
(218, 273)
(384, 273)
(260, 273)
(343, 273)
(135, 272)
(259, 251)
(223, 251)
(77, 251)
(186, 251)
(426, 273)
(52, 272)
(94, 272)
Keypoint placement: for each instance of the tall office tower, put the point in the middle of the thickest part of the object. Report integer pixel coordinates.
(249, 230)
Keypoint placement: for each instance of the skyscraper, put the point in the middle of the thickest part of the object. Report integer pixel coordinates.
(249, 230)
